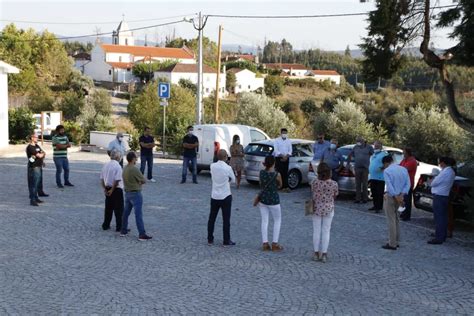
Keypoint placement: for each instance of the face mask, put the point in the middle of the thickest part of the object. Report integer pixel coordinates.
(284, 136)
(190, 133)
(237, 141)
(377, 150)
(333, 146)
(120, 139)
(359, 144)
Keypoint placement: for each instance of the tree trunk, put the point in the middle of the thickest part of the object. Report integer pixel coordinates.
(438, 62)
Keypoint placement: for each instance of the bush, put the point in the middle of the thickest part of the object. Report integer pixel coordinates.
(431, 133)
(273, 85)
(260, 111)
(41, 99)
(74, 132)
(21, 124)
(188, 84)
(347, 121)
(90, 120)
(71, 105)
(308, 106)
(100, 100)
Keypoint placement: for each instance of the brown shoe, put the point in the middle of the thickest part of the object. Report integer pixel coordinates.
(276, 247)
(266, 247)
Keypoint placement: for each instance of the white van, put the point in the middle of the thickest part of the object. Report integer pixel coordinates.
(213, 137)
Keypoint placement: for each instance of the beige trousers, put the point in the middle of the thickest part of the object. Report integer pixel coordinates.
(390, 207)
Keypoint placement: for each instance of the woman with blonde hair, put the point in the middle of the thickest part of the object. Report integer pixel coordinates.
(323, 192)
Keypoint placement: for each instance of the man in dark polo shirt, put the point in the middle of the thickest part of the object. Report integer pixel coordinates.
(147, 143)
(35, 156)
(190, 145)
(361, 153)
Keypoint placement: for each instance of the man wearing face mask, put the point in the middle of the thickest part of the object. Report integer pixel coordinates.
(282, 152)
(60, 145)
(118, 144)
(376, 179)
(190, 145)
(333, 159)
(361, 153)
(320, 146)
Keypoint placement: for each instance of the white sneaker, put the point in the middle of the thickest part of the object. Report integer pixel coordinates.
(152, 180)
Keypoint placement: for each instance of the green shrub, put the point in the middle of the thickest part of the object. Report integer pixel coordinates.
(309, 106)
(273, 85)
(100, 100)
(71, 105)
(74, 132)
(21, 124)
(41, 99)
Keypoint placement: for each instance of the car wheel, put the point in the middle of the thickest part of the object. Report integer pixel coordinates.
(253, 182)
(294, 179)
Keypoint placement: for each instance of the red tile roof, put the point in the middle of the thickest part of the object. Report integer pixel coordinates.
(164, 52)
(121, 65)
(188, 68)
(325, 72)
(286, 66)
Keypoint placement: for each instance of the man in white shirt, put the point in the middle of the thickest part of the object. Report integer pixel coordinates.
(112, 183)
(221, 197)
(282, 151)
(120, 145)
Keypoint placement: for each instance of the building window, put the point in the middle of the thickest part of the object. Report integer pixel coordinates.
(249, 86)
(110, 72)
(240, 86)
(208, 78)
(126, 41)
(128, 69)
(207, 90)
(120, 59)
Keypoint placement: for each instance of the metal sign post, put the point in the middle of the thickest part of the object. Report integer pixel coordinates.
(164, 95)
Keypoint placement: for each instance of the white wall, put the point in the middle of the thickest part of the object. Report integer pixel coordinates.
(99, 70)
(3, 110)
(209, 81)
(161, 59)
(119, 57)
(296, 72)
(102, 139)
(246, 81)
(335, 79)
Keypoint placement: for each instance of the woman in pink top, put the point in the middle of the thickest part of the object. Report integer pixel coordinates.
(323, 191)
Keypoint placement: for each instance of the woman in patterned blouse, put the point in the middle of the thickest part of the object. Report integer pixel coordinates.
(323, 192)
(270, 181)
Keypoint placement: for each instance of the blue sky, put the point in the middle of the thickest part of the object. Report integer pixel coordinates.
(323, 33)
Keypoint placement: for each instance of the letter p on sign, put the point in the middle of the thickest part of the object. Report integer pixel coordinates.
(164, 90)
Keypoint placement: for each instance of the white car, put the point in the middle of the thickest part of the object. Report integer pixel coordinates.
(346, 179)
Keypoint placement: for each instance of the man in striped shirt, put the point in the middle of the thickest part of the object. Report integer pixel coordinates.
(60, 146)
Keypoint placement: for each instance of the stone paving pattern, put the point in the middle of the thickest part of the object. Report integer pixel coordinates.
(55, 259)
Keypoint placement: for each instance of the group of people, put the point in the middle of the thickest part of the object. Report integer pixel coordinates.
(391, 184)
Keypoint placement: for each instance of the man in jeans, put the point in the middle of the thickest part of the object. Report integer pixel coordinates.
(147, 143)
(376, 179)
(60, 146)
(133, 181)
(35, 156)
(112, 183)
(398, 183)
(361, 154)
(221, 197)
(190, 145)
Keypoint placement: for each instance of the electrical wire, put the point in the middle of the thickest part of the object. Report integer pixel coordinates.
(96, 23)
(304, 16)
(99, 34)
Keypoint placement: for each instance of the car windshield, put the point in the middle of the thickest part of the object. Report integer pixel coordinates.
(259, 150)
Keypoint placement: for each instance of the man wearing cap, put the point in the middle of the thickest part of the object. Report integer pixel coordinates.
(361, 153)
(119, 145)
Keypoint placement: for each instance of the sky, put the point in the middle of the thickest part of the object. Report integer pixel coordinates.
(323, 33)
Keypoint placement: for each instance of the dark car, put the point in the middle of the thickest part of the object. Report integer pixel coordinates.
(460, 196)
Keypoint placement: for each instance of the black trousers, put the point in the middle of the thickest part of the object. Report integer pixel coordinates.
(225, 205)
(113, 204)
(377, 187)
(282, 168)
(408, 199)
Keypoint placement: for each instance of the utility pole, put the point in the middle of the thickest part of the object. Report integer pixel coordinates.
(216, 107)
(199, 79)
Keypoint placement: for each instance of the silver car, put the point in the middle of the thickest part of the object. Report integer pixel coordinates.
(346, 180)
(256, 152)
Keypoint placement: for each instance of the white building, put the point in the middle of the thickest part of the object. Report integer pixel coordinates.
(114, 62)
(245, 80)
(291, 69)
(179, 71)
(5, 69)
(321, 75)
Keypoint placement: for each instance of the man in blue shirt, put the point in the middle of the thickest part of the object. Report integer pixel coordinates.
(398, 184)
(333, 159)
(440, 188)
(320, 146)
(376, 180)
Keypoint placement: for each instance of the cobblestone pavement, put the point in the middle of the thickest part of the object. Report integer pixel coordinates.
(55, 259)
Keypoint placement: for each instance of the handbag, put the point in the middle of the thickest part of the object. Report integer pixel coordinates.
(309, 207)
(258, 197)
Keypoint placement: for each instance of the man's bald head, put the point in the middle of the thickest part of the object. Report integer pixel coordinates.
(222, 155)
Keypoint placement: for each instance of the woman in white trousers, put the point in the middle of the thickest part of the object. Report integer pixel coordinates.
(323, 192)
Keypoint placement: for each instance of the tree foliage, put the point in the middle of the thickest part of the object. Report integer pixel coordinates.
(230, 81)
(209, 48)
(145, 70)
(21, 124)
(260, 111)
(273, 85)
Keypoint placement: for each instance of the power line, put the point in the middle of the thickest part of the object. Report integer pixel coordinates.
(304, 16)
(100, 34)
(96, 23)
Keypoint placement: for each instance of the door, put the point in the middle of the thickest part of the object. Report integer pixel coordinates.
(207, 147)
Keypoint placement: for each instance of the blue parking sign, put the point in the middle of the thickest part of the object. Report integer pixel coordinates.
(164, 90)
